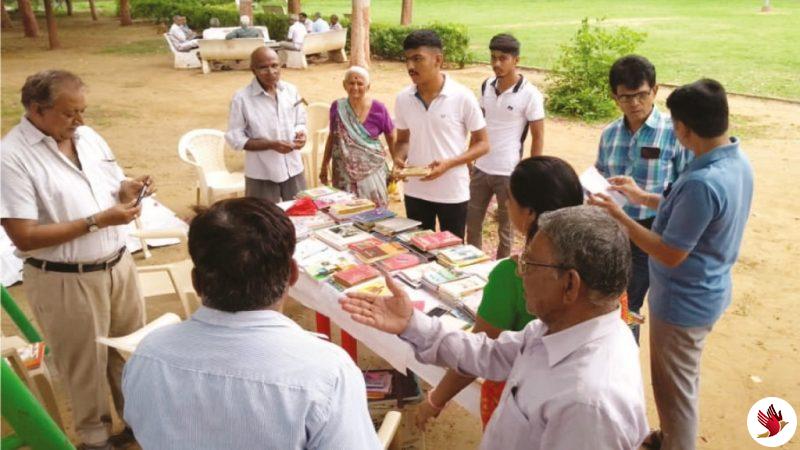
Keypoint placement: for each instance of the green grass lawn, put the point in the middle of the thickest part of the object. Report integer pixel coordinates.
(730, 41)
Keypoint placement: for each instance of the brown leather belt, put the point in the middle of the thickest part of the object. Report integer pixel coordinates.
(49, 266)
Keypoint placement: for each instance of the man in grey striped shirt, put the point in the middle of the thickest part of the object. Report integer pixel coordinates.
(239, 374)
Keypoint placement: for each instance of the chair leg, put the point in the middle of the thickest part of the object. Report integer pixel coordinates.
(206, 67)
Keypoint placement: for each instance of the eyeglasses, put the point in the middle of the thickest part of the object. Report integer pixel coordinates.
(629, 98)
(523, 265)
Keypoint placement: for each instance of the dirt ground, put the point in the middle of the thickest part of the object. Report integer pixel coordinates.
(142, 106)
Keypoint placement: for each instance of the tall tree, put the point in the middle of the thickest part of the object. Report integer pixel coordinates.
(93, 10)
(294, 6)
(69, 7)
(359, 34)
(28, 18)
(125, 13)
(52, 31)
(5, 23)
(246, 9)
(405, 15)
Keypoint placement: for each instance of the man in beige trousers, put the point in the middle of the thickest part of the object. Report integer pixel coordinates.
(65, 202)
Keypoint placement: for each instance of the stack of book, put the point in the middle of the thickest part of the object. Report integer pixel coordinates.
(317, 192)
(354, 275)
(375, 287)
(367, 220)
(400, 261)
(395, 226)
(307, 248)
(340, 236)
(326, 201)
(304, 225)
(433, 241)
(458, 290)
(373, 250)
(436, 275)
(461, 256)
(379, 384)
(326, 263)
(345, 210)
(414, 171)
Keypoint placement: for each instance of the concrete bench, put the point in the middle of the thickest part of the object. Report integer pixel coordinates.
(331, 42)
(227, 50)
(221, 32)
(183, 60)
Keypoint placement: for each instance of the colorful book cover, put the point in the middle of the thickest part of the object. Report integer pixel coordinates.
(354, 275)
(390, 227)
(380, 252)
(409, 235)
(400, 262)
(340, 236)
(325, 264)
(374, 287)
(461, 255)
(326, 201)
(436, 275)
(436, 240)
(373, 216)
(458, 289)
(317, 192)
(350, 207)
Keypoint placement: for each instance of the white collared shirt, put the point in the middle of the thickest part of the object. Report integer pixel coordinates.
(439, 132)
(580, 388)
(255, 114)
(178, 33)
(40, 183)
(507, 119)
(297, 33)
(320, 26)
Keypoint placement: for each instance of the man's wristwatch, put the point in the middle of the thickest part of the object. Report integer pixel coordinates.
(92, 223)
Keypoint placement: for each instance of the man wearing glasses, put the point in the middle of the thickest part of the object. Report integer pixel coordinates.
(573, 375)
(642, 145)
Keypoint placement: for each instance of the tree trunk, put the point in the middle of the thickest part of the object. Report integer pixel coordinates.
(405, 15)
(69, 7)
(5, 23)
(93, 10)
(246, 9)
(294, 6)
(359, 34)
(28, 18)
(125, 13)
(52, 31)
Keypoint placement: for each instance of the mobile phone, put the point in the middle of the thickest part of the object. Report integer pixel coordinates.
(142, 194)
(437, 311)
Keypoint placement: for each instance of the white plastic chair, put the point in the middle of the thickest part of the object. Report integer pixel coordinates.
(389, 427)
(173, 279)
(38, 380)
(204, 149)
(318, 120)
(143, 235)
(126, 345)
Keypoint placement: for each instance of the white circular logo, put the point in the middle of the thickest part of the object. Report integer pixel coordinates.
(771, 422)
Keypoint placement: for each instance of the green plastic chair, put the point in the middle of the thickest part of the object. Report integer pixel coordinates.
(33, 426)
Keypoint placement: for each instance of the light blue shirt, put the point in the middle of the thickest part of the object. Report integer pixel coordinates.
(652, 156)
(703, 213)
(246, 380)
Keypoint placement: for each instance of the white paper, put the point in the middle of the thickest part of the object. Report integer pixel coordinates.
(595, 183)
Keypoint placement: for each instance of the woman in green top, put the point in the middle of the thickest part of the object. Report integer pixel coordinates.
(538, 184)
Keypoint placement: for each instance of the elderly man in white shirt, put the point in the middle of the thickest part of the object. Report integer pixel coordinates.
(319, 25)
(182, 36)
(64, 205)
(296, 34)
(573, 379)
(268, 121)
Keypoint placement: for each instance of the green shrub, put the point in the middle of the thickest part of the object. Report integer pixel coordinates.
(386, 41)
(277, 24)
(579, 81)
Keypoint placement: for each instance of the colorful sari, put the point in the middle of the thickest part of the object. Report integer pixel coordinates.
(359, 162)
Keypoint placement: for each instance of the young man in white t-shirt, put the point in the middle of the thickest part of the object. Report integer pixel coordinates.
(512, 106)
(433, 118)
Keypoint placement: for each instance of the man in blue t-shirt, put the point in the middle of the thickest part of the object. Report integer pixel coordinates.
(693, 245)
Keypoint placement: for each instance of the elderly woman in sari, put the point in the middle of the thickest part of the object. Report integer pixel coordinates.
(353, 146)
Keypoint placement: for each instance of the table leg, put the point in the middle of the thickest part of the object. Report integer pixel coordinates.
(350, 345)
(324, 325)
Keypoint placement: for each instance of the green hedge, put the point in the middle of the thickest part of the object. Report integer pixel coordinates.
(386, 41)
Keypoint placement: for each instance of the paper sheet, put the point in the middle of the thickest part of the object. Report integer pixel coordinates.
(595, 183)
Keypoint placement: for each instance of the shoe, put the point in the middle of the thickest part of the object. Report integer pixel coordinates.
(653, 440)
(106, 446)
(123, 439)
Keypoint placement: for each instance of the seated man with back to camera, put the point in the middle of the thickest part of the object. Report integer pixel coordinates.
(244, 30)
(239, 374)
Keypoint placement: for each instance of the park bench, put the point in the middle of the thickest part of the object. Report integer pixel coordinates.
(329, 41)
(183, 60)
(214, 46)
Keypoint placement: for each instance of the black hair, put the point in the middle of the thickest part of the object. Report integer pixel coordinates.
(702, 106)
(545, 183)
(422, 38)
(505, 43)
(242, 251)
(631, 71)
(302, 14)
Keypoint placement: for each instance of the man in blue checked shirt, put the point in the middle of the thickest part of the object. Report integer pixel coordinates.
(642, 145)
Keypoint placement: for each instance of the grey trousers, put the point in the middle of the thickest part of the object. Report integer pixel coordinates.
(675, 365)
(482, 187)
(272, 191)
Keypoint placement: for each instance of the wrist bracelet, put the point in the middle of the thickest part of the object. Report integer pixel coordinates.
(433, 405)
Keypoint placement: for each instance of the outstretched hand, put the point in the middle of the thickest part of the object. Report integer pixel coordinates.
(628, 187)
(389, 313)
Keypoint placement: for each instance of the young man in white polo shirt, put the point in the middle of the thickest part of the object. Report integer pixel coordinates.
(433, 117)
(512, 106)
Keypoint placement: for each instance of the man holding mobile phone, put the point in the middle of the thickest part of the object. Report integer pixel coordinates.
(268, 121)
(65, 204)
